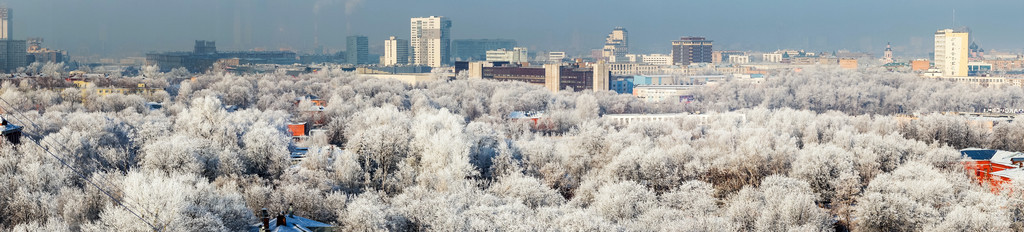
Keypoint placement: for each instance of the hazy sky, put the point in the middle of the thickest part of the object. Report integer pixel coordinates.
(132, 27)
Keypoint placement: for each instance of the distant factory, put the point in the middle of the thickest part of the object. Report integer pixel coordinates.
(205, 54)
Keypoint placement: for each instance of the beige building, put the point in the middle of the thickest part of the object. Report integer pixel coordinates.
(635, 69)
(848, 63)
(616, 45)
(738, 59)
(430, 39)
(772, 57)
(396, 52)
(951, 50)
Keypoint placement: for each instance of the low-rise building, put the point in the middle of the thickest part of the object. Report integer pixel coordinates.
(623, 120)
(771, 57)
(848, 63)
(978, 69)
(657, 59)
(671, 93)
(11, 132)
(515, 55)
(920, 65)
(205, 55)
(739, 59)
(554, 77)
(635, 69)
(287, 222)
(993, 167)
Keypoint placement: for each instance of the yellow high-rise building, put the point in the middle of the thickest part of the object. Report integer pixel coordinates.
(951, 50)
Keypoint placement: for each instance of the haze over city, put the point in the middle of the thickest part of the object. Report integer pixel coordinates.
(118, 28)
(564, 115)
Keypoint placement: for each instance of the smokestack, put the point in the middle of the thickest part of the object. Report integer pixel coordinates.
(1018, 161)
(280, 219)
(265, 218)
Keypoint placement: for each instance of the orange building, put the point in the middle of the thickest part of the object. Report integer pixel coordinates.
(298, 129)
(920, 65)
(993, 167)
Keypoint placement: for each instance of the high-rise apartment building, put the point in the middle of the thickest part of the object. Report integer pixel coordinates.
(689, 50)
(616, 45)
(951, 52)
(396, 51)
(357, 50)
(476, 49)
(430, 39)
(13, 53)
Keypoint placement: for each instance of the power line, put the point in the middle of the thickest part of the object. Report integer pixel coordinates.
(69, 150)
(82, 175)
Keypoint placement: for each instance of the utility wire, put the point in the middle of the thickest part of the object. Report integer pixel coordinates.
(68, 150)
(82, 175)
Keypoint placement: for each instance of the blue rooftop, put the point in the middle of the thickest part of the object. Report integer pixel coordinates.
(978, 154)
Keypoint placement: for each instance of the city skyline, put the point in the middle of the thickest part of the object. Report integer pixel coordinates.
(734, 115)
(110, 28)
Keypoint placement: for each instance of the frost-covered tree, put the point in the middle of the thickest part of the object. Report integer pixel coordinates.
(380, 139)
(174, 203)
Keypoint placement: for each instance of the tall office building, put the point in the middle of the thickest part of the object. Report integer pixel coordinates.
(476, 49)
(13, 53)
(616, 45)
(951, 52)
(357, 50)
(396, 52)
(689, 50)
(430, 39)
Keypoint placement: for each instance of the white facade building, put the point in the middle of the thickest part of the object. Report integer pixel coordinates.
(430, 39)
(951, 50)
(396, 52)
(739, 59)
(516, 55)
(669, 93)
(556, 57)
(658, 59)
(772, 57)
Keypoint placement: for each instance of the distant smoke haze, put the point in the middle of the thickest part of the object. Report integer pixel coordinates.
(119, 28)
